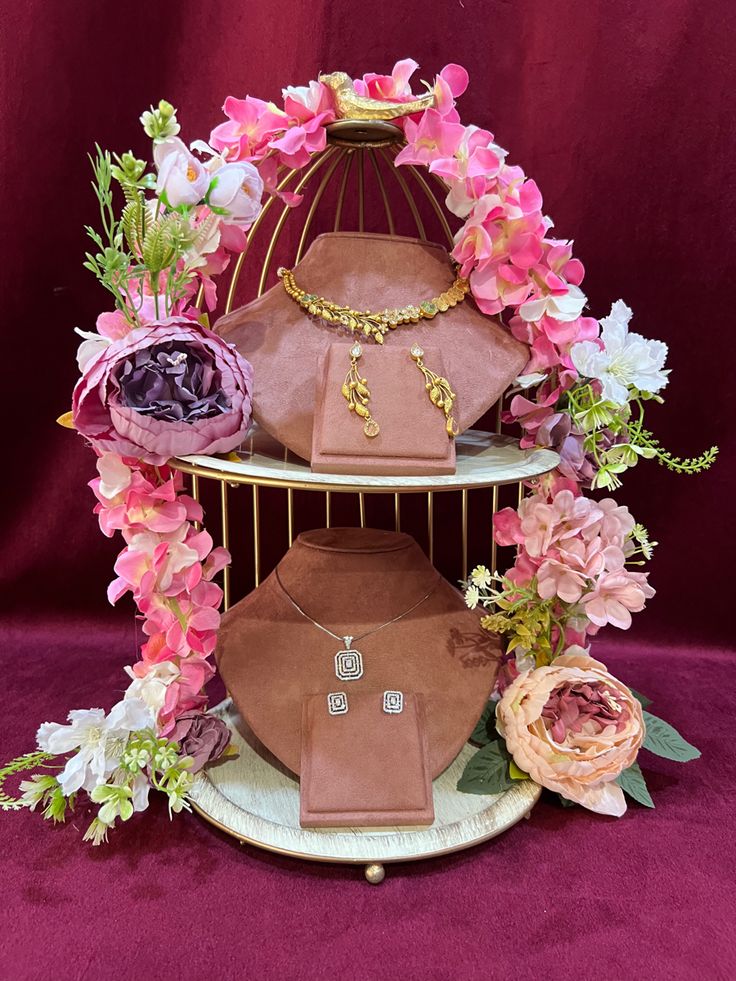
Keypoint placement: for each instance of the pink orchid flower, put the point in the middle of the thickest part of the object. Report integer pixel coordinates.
(389, 88)
(309, 109)
(433, 137)
(251, 124)
(616, 596)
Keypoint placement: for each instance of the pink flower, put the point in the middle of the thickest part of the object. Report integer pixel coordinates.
(309, 109)
(433, 137)
(573, 728)
(185, 693)
(389, 88)
(616, 596)
(117, 403)
(252, 123)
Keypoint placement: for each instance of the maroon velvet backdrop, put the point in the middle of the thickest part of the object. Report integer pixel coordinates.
(623, 112)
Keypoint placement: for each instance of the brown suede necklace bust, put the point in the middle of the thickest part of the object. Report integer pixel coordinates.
(366, 272)
(352, 580)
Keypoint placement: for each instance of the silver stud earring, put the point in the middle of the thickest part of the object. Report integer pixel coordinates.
(337, 703)
(393, 702)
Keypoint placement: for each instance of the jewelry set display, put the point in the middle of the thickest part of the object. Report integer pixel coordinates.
(393, 703)
(373, 326)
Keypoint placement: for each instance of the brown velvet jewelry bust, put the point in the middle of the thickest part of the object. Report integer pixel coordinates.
(367, 272)
(351, 580)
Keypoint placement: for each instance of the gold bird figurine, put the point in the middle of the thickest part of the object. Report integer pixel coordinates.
(350, 105)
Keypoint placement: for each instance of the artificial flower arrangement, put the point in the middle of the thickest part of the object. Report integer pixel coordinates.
(157, 383)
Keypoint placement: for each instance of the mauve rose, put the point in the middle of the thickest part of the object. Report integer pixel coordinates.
(201, 736)
(165, 390)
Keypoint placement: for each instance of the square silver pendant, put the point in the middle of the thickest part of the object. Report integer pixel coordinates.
(337, 703)
(393, 702)
(349, 665)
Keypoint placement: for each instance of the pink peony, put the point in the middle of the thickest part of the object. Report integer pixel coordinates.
(573, 728)
(131, 398)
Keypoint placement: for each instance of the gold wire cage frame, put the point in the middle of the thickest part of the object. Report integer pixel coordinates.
(357, 176)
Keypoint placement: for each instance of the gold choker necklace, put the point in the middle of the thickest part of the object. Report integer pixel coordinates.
(373, 325)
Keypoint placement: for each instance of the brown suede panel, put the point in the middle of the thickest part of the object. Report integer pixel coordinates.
(413, 438)
(350, 580)
(367, 272)
(365, 768)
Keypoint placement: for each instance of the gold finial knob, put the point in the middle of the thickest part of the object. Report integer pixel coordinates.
(375, 874)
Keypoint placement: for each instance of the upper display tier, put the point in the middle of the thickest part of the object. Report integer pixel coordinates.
(483, 460)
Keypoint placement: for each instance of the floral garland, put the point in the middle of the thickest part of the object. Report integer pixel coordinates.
(157, 383)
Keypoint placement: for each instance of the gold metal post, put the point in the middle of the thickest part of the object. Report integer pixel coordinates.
(361, 502)
(256, 537)
(226, 544)
(315, 204)
(384, 196)
(328, 509)
(494, 547)
(290, 514)
(407, 194)
(310, 171)
(397, 511)
(361, 191)
(430, 523)
(464, 509)
(341, 192)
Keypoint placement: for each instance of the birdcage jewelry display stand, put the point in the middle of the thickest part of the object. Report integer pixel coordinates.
(254, 798)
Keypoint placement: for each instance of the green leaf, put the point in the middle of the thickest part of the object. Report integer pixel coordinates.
(487, 772)
(632, 782)
(485, 728)
(663, 740)
(515, 773)
(642, 699)
(565, 802)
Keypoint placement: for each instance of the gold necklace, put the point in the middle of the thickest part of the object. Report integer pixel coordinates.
(373, 325)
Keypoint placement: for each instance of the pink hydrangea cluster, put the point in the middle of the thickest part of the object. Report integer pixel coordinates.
(575, 549)
(168, 564)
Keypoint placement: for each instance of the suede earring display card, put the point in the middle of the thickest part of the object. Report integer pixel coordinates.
(364, 767)
(412, 437)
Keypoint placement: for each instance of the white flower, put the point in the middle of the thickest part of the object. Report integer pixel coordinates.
(151, 688)
(626, 359)
(472, 595)
(569, 306)
(180, 175)
(239, 189)
(115, 476)
(528, 381)
(92, 345)
(480, 576)
(99, 739)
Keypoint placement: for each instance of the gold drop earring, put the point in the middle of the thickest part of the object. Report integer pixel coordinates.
(438, 389)
(357, 394)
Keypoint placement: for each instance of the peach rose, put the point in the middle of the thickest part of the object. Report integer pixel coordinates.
(573, 728)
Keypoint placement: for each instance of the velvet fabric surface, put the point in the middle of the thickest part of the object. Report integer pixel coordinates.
(352, 580)
(413, 438)
(623, 113)
(566, 894)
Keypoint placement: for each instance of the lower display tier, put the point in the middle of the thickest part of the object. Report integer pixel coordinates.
(255, 799)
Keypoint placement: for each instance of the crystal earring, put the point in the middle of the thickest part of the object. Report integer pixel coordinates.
(337, 703)
(438, 389)
(357, 394)
(393, 702)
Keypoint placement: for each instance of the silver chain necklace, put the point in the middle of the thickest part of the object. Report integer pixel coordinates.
(349, 661)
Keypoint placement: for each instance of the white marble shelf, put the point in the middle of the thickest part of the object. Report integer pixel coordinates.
(483, 460)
